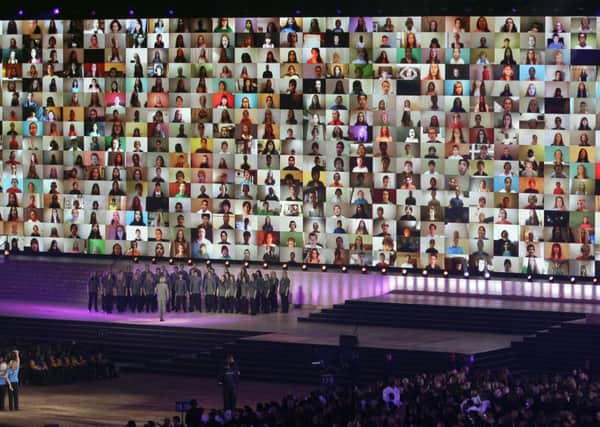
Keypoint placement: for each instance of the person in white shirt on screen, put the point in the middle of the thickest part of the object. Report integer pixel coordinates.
(582, 42)
(456, 59)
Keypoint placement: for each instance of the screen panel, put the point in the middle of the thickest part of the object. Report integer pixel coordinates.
(447, 142)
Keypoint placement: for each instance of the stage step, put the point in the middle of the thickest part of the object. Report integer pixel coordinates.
(428, 316)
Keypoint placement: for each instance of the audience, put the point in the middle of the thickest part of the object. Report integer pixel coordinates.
(61, 364)
(456, 398)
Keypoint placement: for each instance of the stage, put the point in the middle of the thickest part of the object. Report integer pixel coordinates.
(424, 320)
(277, 327)
(311, 288)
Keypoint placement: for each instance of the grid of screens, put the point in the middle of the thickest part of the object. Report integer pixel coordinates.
(449, 142)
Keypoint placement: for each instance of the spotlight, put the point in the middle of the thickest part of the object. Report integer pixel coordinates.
(56, 11)
(383, 270)
(338, 11)
(93, 12)
(304, 267)
(529, 277)
(227, 263)
(153, 260)
(363, 269)
(466, 274)
(324, 268)
(171, 12)
(284, 266)
(136, 259)
(265, 265)
(404, 272)
(551, 279)
(344, 268)
(20, 12)
(445, 273)
(487, 275)
(572, 279)
(131, 12)
(171, 261)
(190, 262)
(298, 12)
(246, 264)
(595, 280)
(424, 272)
(208, 262)
(6, 252)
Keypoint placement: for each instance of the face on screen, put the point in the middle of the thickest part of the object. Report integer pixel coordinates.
(448, 143)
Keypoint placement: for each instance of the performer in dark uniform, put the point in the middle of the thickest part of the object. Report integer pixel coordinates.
(135, 289)
(231, 293)
(93, 288)
(210, 289)
(252, 293)
(284, 291)
(243, 291)
(148, 290)
(195, 289)
(261, 289)
(230, 378)
(121, 287)
(181, 292)
(109, 291)
(273, 285)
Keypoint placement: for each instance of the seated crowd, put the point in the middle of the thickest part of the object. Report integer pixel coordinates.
(61, 363)
(455, 398)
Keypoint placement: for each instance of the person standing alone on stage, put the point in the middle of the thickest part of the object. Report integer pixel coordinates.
(162, 296)
(230, 378)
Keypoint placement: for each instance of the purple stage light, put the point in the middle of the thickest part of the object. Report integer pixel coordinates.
(171, 12)
(131, 12)
(20, 12)
(56, 11)
(298, 12)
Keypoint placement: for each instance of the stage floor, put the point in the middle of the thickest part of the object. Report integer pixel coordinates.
(400, 297)
(278, 327)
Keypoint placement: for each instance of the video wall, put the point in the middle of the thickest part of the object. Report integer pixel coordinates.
(439, 142)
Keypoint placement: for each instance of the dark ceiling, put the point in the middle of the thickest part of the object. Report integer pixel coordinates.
(81, 9)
